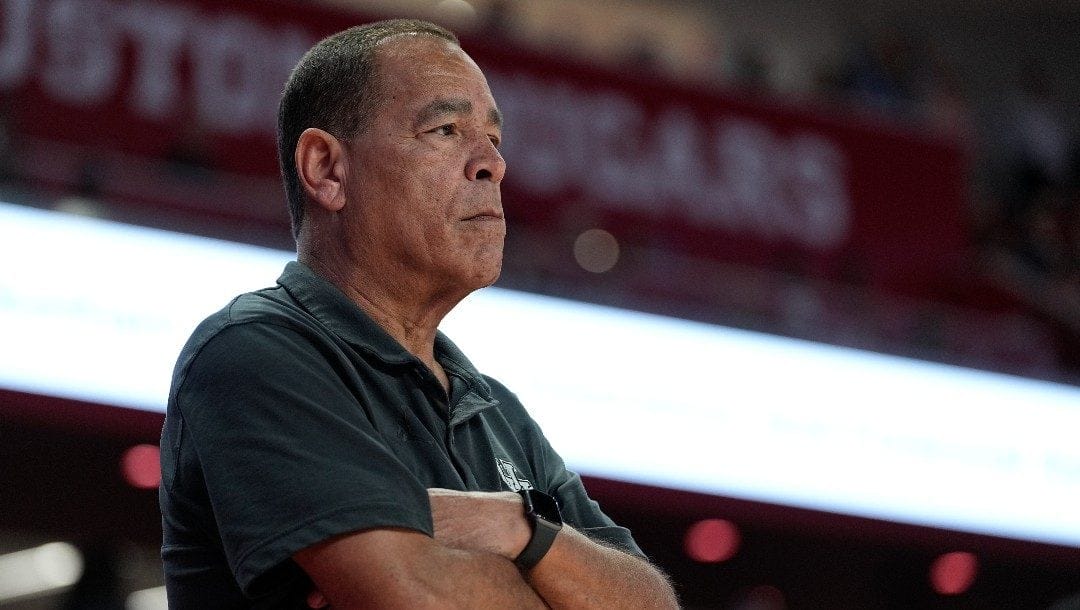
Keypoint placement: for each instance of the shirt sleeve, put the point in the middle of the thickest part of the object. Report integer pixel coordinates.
(285, 449)
(578, 509)
(554, 478)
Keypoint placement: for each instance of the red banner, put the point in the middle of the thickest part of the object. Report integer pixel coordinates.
(713, 176)
(708, 174)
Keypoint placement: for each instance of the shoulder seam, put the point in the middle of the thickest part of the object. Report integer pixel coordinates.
(230, 323)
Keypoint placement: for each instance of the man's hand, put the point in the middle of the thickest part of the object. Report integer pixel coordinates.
(576, 573)
(480, 521)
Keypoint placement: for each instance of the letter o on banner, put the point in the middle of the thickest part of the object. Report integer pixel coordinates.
(82, 63)
(227, 69)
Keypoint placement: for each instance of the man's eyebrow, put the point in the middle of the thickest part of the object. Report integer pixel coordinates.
(444, 107)
(495, 117)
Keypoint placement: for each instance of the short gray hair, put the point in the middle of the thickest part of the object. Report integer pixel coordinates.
(333, 88)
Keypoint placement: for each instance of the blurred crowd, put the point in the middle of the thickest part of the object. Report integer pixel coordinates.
(1025, 152)
(1022, 142)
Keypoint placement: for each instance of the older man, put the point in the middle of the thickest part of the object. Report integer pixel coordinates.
(324, 442)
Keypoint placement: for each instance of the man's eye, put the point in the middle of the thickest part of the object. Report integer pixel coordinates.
(445, 130)
(495, 140)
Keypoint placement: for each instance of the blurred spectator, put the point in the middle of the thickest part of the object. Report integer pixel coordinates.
(945, 103)
(1033, 244)
(750, 68)
(1041, 243)
(8, 171)
(880, 70)
(1035, 147)
(497, 20)
(1039, 263)
(905, 75)
(643, 55)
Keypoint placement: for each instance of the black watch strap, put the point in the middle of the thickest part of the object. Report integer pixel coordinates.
(542, 511)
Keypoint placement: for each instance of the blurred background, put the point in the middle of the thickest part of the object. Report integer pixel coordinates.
(901, 177)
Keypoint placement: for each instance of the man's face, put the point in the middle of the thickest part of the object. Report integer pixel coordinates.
(424, 176)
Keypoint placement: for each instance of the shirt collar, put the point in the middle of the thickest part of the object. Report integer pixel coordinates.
(340, 315)
(478, 397)
(335, 311)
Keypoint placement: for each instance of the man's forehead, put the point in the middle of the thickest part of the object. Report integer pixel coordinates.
(438, 77)
(417, 51)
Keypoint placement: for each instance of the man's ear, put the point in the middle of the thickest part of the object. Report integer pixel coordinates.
(321, 164)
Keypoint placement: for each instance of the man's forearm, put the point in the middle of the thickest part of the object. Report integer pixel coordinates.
(580, 573)
(391, 569)
(479, 579)
(576, 572)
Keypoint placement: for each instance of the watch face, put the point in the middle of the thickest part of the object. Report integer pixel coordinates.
(544, 506)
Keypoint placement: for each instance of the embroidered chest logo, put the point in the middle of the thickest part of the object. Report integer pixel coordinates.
(511, 476)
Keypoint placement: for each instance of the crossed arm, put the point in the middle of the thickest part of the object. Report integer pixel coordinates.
(469, 563)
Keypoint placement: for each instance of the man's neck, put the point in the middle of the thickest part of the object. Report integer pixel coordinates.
(407, 312)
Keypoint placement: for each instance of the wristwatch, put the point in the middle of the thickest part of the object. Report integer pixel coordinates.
(542, 511)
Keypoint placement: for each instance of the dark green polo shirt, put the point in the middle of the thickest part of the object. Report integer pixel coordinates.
(293, 417)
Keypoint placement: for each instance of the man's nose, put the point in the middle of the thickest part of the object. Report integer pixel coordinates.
(486, 163)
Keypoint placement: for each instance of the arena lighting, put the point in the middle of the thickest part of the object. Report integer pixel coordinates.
(953, 573)
(98, 311)
(148, 599)
(39, 570)
(712, 541)
(141, 466)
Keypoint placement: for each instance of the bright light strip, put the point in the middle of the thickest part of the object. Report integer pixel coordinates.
(148, 599)
(40, 570)
(98, 311)
(699, 407)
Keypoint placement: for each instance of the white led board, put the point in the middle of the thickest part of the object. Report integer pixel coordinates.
(98, 311)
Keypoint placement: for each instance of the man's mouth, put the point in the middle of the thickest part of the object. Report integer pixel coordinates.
(486, 215)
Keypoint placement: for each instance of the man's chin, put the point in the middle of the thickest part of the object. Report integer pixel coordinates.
(490, 277)
(494, 279)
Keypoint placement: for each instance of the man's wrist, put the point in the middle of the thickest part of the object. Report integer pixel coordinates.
(545, 521)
